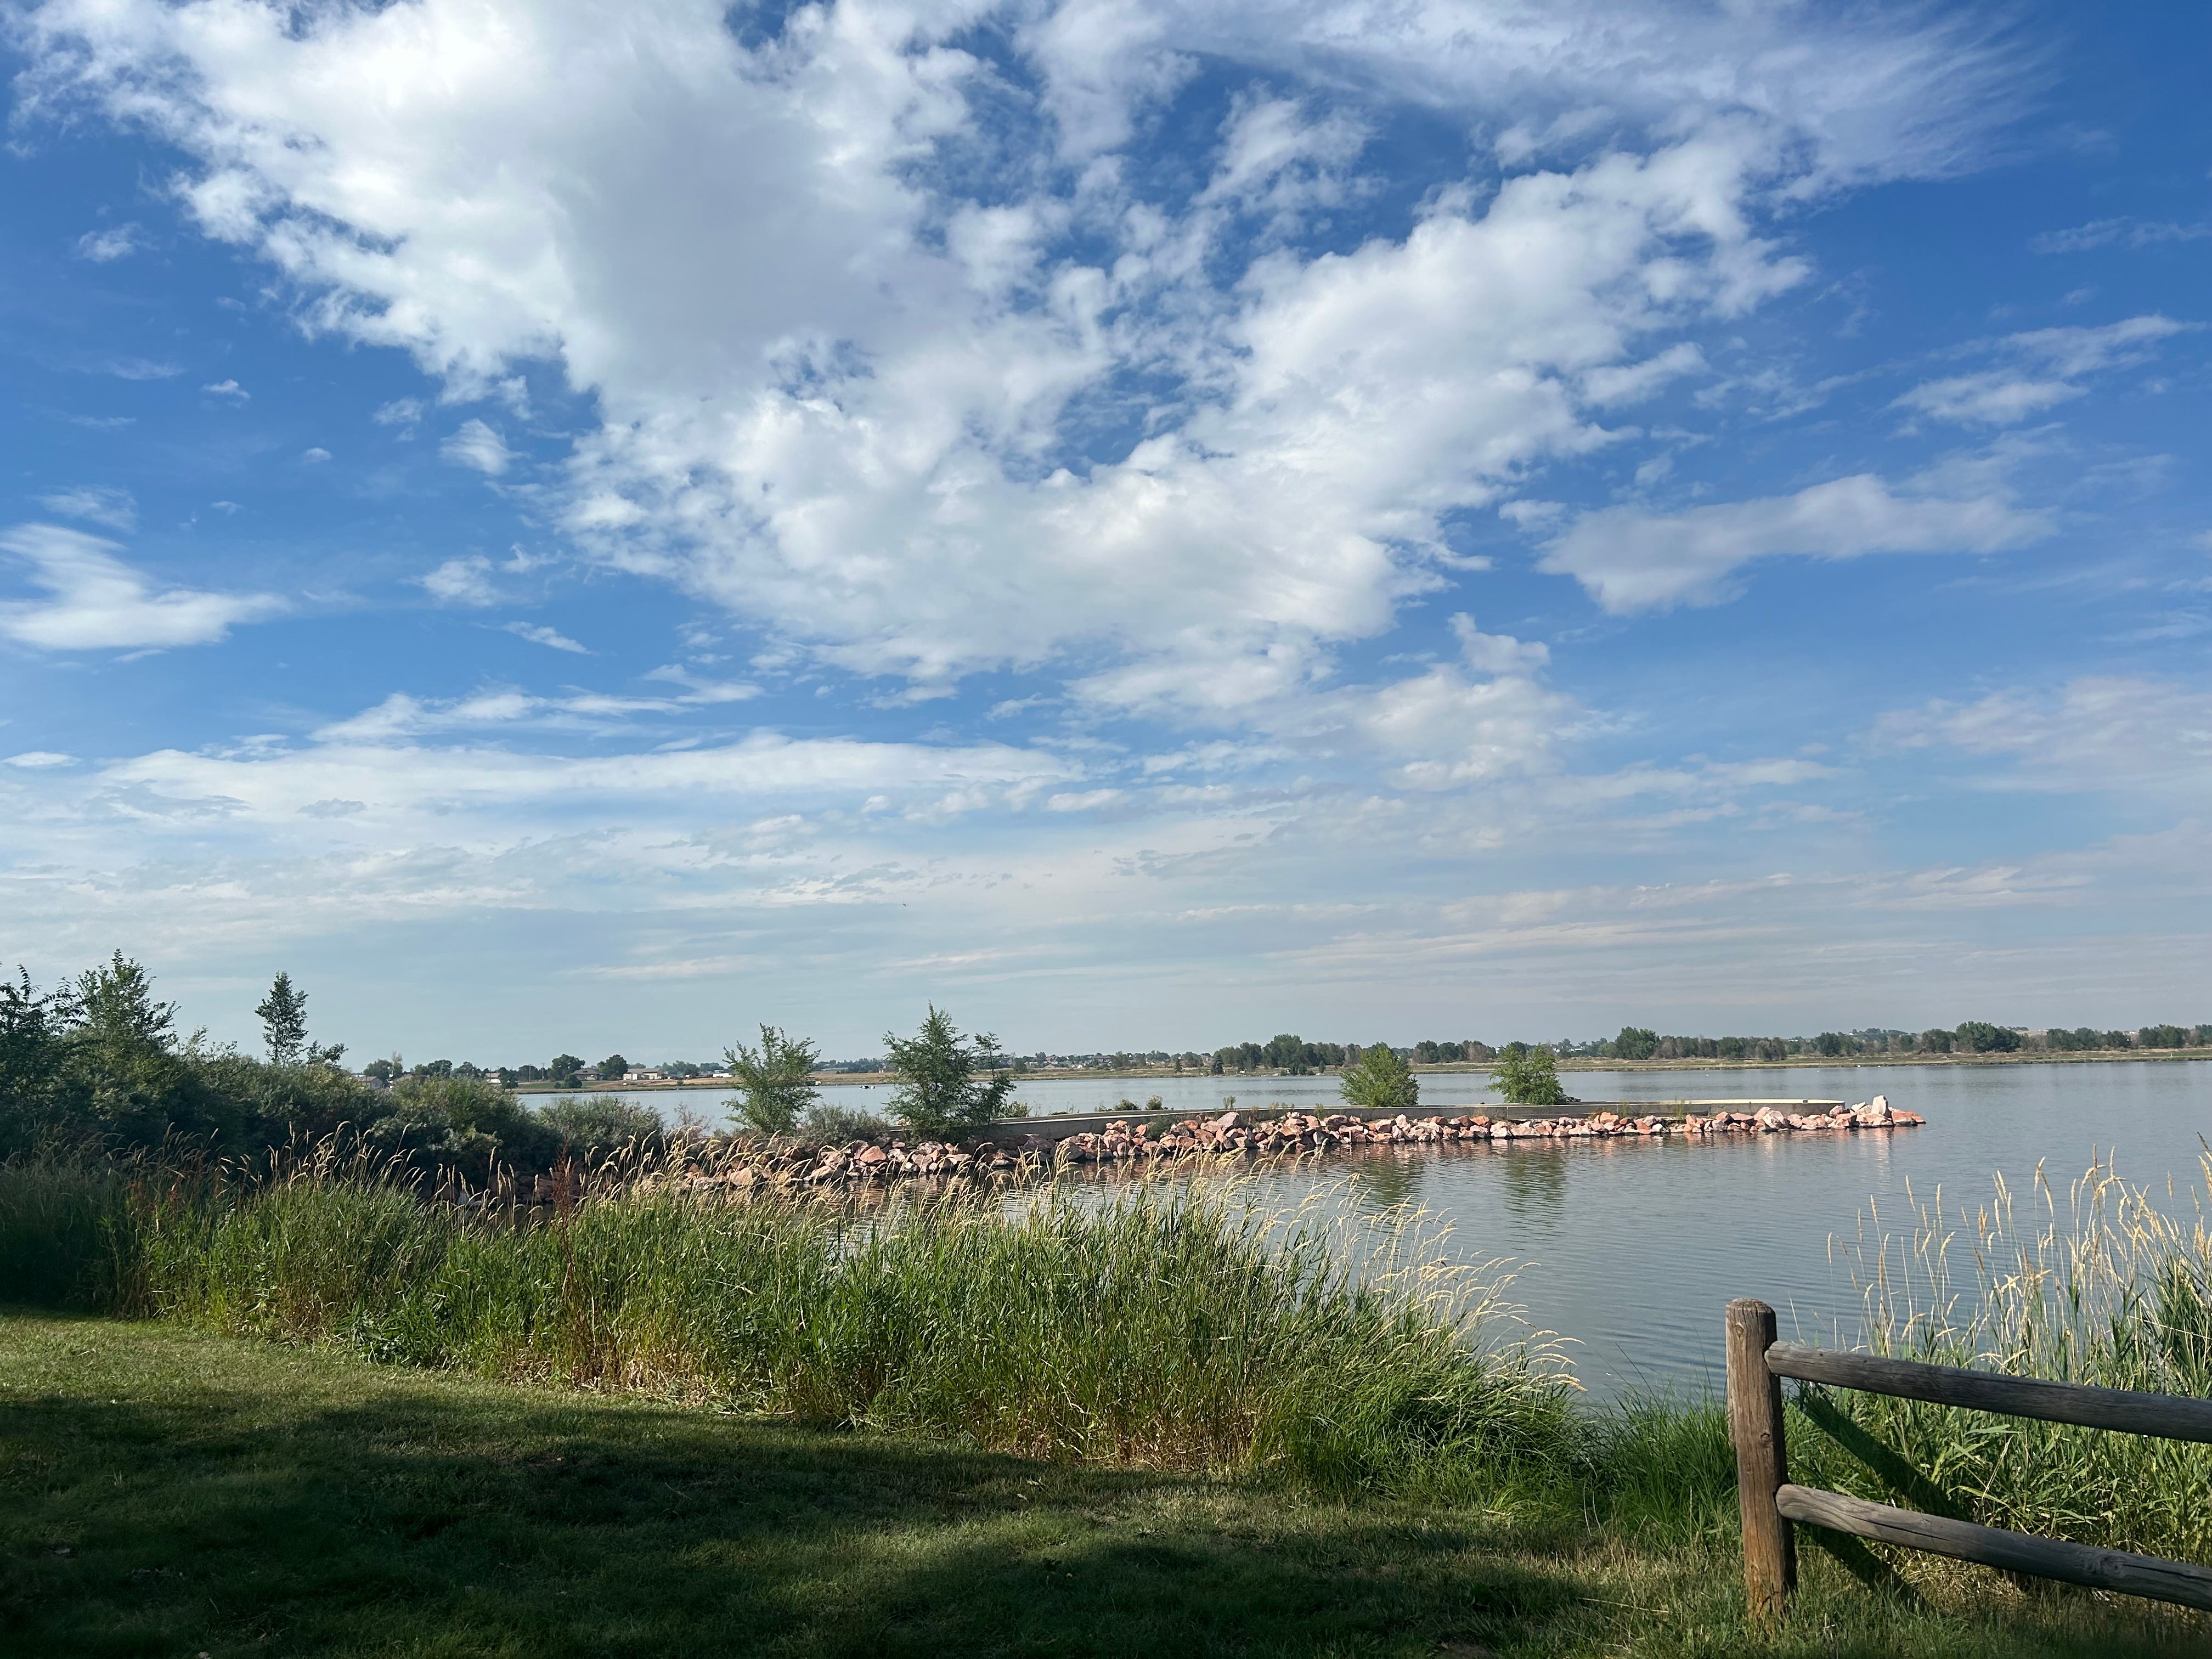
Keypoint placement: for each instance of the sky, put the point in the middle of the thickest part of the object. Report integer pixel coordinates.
(574, 524)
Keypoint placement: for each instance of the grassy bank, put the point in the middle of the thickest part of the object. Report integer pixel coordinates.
(1389, 1451)
(170, 1492)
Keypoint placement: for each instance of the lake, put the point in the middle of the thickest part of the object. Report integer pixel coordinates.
(1630, 1248)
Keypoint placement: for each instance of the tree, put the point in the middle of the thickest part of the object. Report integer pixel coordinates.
(567, 1069)
(383, 1071)
(1379, 1080)
(1528, 1076)
(1978, 1036)
(939, 1090)
(612, 1069)
(1636, 1042)
(1935, 1040)
(776, 1080)
(284, 1022)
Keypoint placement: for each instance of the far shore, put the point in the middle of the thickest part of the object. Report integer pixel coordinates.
(1482, 1067)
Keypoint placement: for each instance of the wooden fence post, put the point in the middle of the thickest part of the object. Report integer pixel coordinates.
(1754, 1407)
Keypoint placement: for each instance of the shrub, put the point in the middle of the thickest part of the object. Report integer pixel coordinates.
(939, 1091)
(775, 1081)
(1529, 1077)
(1380, 1081)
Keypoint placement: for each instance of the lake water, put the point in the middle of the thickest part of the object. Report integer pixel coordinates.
(1632, 1248)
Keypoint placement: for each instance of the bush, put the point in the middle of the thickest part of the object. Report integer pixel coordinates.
(587, 1121)
(1380, 1081)
(825, 1122)
(939, 1091)
(1529, 1077)
(776, 1080)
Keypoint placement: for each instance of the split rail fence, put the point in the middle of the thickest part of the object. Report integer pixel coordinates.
(1756, 1365)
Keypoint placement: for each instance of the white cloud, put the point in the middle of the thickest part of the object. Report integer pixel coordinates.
(98, 504)
(538, 635)
(117, 242)
(1631, 560)
(478, 446)
(39, 760)
(2131, 233)
(463, 580)
(96, 602)
(2097, 732)
(315, 457)
(867, 437)
(402, 412)
(2044, 368)
(228, 389)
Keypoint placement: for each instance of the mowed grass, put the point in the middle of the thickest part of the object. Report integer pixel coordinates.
(165, 1492)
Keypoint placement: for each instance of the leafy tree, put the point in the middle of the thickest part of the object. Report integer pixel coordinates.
(776, 1080)
(1528, 1076)
(1379, 1080)
(938, 1091)
(2161, 1036)
(383, 1071)
(612, 1069)
(1978, 1036)
(1935, 1042)
(284, 1022)
(1634, 1042)
(31, 1057)
(566, 1069)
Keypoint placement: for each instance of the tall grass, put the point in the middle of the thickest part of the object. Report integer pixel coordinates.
(1162, 1326)
(2100, 1285)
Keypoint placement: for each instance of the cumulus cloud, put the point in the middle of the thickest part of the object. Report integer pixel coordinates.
(97, 504)
(478, 446)
(228, 389)
(856, 404)
(1630, 560)
(96, 602)
(40, 760)
(2042, 369)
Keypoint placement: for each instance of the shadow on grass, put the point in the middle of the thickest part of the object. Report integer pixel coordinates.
(511, 1521)
(228, 1498)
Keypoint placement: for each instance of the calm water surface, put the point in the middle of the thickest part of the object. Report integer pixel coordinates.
(1630, 1248)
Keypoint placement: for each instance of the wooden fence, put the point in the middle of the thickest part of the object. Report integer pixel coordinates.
(1756, 1365)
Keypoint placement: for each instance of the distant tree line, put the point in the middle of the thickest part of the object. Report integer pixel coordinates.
(99, 1060)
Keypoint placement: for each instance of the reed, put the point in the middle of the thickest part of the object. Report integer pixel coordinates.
(1159, 1326)
(2098, 1284)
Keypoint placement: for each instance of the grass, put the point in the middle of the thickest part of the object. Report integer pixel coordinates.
(347, 1421)
(1168, 1329)
(2100, 1284)
(221, 1495)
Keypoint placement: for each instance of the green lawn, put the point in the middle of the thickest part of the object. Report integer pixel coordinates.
(167, 1493)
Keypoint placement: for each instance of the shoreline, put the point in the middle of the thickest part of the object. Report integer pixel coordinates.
(1445, 1068)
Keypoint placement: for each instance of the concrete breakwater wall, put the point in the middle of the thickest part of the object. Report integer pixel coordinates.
(1014, 1149)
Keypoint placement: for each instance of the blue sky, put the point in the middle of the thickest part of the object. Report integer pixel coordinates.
(589, 526)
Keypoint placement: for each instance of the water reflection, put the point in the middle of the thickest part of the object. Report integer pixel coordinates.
(1533, 1182)
(1388, 1176)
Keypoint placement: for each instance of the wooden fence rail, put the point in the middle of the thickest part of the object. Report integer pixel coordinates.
(1756, 1365)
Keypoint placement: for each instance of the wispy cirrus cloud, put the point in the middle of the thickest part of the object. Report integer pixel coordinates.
(538, 634)
(95, 602)
(2041, 369)
(96, 503)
